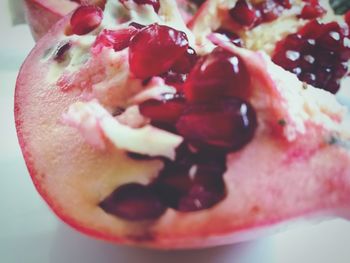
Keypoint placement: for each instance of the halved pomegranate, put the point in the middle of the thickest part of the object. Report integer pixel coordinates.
(132, 159)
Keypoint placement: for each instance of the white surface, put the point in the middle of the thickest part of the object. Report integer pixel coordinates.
(30, 233)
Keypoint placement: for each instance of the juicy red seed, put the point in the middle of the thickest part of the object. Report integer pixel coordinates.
(217, 75)
(232, 37)
(154, 3)
(316, 53)
(85, 19)
(116, 39)
(154, 50)
(194, 181)
(166, 110)
(244, 14)
(133, 202)
(311, 11)
(227, 124)
(61, 51)
(186, 62)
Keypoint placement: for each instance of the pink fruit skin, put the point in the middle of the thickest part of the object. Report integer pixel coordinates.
(42, 14)
(288, 181)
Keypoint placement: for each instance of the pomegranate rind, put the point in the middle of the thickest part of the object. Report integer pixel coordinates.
(307, 176)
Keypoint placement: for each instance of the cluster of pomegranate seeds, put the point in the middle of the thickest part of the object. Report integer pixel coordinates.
(216, 75)
(317, 54)
(194, 181)
(230, 36)
(134, 202)
(116, 39)
(85, 19)
(250, 15)
(155, 49)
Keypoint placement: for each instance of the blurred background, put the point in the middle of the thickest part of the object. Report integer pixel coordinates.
(30, 233)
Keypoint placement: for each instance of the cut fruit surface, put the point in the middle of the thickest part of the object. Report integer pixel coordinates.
(41, 15)
(132, 159)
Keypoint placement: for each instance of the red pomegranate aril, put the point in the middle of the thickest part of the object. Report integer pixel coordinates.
(85, 19)
(116, 39)
(133, 202)
(217, 75)
(311, 11)
(244, 14)
(154, 3)
(166, 110)
(154, 50)
(232, 37)
(186, 62)
(226, 124)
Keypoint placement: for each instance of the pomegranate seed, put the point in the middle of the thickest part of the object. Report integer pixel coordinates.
(133, 202)
(154, 49)
(167, 110)
(227, 124)
(312, 10)
(217, 75)
(244, 14)
(85, 19)
(317, 54)
(116, 39)
(61, 51)
(186, 62)
(193, 182)
(232, 37)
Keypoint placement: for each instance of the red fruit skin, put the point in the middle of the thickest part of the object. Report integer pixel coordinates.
(42, 14)
(286, 182)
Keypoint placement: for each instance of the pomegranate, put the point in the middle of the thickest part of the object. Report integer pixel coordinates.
(120, 154)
